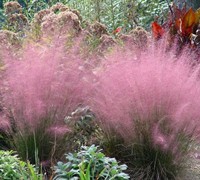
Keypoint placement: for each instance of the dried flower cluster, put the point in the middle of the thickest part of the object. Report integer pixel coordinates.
(58, 19)
(16, 20)
(7, 38)
(138, 37)
(12, 8)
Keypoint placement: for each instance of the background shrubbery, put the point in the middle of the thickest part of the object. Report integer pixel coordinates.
(112, 13)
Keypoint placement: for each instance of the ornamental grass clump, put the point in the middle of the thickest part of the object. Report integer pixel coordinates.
(148, 107)
(41, 86)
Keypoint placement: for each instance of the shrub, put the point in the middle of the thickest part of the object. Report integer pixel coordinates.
(11, 167)
(84, 130)
(90, 163)
(147, 104)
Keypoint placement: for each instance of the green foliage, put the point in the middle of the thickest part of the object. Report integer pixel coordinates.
(93, 42)
(39, 146)
(148, 11)
(84, 129)
(34, 146)
(189, 3)
(90, 164)
(11, 167)
(5, 140)
(112, 13)
(144, 158)
(126, 13)
(2, 18)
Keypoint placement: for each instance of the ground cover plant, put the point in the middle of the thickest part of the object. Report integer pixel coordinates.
(90, 163)
(13, 168)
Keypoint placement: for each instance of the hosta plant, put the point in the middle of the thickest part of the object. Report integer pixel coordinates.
(90, 164)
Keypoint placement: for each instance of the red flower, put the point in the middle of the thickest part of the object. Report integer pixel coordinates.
(157, 30)
(117, 30)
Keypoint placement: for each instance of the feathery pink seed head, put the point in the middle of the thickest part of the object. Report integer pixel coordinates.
(147, 88)
(4, 124)
(58, 131)
(45, 82)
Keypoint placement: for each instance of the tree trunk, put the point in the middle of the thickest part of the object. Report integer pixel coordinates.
(195, 4)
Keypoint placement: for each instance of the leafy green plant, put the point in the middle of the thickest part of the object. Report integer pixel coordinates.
(84, 129)
(11, 167)
(148, 10)
(89, 164)
(112, 13)
(118, 13)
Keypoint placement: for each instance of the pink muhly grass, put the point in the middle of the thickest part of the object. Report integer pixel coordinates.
(42, 85)
(159, 91)
(45, 83)
(147, 103)
(58, 131)
(5, 126)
